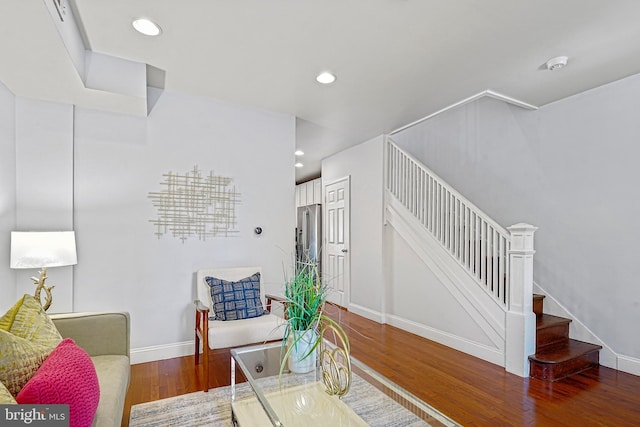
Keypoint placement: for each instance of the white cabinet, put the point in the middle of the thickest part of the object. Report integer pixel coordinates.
(317, 191)
(299, 188)
(301, 192)
(309, 193)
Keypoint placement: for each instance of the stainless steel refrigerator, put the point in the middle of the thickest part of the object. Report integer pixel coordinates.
(309, 235)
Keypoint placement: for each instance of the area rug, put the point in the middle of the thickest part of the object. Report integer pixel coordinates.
(214, 408)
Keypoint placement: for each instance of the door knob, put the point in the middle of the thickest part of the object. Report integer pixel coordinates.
(344, 251)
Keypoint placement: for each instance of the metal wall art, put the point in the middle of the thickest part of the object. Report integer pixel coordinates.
(193, 205)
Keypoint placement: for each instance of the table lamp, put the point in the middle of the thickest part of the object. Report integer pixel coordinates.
(42, 249)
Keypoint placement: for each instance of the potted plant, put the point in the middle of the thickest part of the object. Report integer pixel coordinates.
(305, 298)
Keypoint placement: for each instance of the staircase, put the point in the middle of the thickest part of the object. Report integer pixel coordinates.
(558, 356)
(478, 260)
(487, 269)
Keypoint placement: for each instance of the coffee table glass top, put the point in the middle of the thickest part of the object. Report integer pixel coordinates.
(294, 399)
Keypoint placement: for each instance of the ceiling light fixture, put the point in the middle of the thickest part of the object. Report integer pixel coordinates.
(299, 153)
(299, 165)
(326, 78)
(146, 26)
(557, 63)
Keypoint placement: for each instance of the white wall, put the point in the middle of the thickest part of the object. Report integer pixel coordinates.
(569, 168)
(119, 159)
(7, 194)
(36, 191)
(417, 296)
(93, 170)
(363, 163)
(44, 185)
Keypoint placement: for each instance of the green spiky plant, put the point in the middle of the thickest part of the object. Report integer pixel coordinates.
(305, 299)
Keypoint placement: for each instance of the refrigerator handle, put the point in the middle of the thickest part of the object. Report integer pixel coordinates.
(305, 230)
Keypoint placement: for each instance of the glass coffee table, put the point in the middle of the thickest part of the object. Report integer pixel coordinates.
(294, 399)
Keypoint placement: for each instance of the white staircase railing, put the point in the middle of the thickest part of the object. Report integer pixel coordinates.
(499, 261)
(479, 244)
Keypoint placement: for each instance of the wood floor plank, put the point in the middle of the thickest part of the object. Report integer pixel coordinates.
(469, 390)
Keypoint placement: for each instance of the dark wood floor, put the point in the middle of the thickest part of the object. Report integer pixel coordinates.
(471, 391)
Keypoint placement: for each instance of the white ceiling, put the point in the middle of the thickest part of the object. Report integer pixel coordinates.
(396, 60)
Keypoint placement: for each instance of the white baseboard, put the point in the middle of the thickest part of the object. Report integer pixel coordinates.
(493, 355)
(629, 364)
(161, 352)
(370, 314)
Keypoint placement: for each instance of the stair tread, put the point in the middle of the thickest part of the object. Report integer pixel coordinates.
(546, 320)
(562, 352)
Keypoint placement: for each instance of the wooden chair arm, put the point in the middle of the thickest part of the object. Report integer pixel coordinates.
(270, 298)
(200, 307)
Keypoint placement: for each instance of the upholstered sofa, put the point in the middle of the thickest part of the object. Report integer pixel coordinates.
(105, 336)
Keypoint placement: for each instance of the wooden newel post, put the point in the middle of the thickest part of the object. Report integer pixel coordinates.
(520, 322)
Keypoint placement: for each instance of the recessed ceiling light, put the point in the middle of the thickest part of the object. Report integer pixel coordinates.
(326, 78)
(557, 63)
(299, 165)
(299, 153)
(146, 27)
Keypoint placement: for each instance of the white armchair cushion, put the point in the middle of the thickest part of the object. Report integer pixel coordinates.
(236, 333)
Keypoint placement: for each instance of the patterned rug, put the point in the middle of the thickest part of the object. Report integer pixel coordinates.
(214, 408)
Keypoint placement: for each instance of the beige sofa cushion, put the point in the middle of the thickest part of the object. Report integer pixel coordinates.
(97, 332)
(113, 376)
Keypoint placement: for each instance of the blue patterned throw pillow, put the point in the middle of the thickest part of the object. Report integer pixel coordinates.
(236, 300)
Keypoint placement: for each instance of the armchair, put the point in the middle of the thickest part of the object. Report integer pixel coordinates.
(216, 334)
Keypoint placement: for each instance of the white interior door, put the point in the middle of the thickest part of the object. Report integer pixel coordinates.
(335, 272)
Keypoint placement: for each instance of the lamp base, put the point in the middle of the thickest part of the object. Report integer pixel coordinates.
(40, 286)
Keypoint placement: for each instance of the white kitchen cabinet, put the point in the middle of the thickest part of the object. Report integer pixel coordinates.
(309, 193)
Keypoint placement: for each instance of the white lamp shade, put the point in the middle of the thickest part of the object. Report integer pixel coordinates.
(37, 249)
